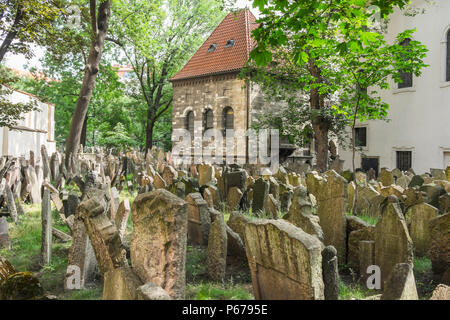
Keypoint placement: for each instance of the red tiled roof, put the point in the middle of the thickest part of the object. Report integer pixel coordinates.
(236, 26)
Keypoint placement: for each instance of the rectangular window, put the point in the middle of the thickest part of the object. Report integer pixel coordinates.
(407, 77)
(361, 137)
(404, 160)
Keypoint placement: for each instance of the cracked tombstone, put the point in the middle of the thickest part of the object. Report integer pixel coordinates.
(160, 230)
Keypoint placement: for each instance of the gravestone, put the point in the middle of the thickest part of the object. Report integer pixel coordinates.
(216, 255)
(234, 198)
(442, 292)
(285, 262)
(366, 255)
(5, 242)
(169, 175)
(115, 200)
(234, 179)
(121, 284)
(46, 218)
(401, 284)
(300, 214)
(271, 206)
(160, 230)
(206, 173)
(149, 291)
(386, 177)
(357, 232)
(11, 203)
(330, 273)
(199, 220)
(159, 182)
(440, 244)
(432, 193)
(237, 222)
(416, 181)
(45, 163)
(260, 193)
(331, 196)
(438, 174)
(417, 218)
(392, 241)
(444, 203)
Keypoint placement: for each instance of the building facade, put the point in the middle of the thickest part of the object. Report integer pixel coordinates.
(37, 128)
(208, 94)
(417, 134)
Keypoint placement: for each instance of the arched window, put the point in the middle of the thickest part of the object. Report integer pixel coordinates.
(190, 123)
(228, 118)
(407, 79)
(447, 78)
(208, 119)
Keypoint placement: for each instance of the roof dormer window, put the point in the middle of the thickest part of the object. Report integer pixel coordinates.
(230, 43)
(212, 47)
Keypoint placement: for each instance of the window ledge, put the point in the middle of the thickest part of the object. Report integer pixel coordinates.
(445, 84)
(403, 90)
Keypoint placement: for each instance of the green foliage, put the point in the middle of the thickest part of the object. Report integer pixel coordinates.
(24, 22)
(332, 49)
(353, 291)
(11, 113)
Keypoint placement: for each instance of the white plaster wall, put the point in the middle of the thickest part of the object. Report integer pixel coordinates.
(420, 116)
(19, 143)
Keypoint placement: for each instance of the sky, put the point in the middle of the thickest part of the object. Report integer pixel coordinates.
(18, 61)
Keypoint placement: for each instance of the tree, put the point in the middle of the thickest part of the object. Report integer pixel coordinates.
(23, 22)
(318, 37)
(99, 24)
(156, 39)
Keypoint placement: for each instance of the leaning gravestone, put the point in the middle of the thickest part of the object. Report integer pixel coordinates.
(440, 244)
(331, 195)
(417, 218)
(199, 220)
(285, 262)
(392, 241)
(234, 198)
(122, 216)
(158, 245)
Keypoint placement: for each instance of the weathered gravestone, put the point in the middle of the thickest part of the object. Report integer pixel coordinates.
(271, 206)
(331, 195)
(45, 162)
(285, 262)
(199, 220)
(438, 174)
(260, 193)
(401, 284)
(5, 242)
(300, 214)
(440, 245)
(432, 193)
(416, 181)
(46, 218)
(417, 218)
(122, 216)
(444, 203)
(330, 273)
(386, 177)
(169, 174)
(234, 197)
(392, 241)
(216, 257)
(114, 205)
(442, 292)
(234, 179)
(158, 245)
(357, 231)
(206, 173)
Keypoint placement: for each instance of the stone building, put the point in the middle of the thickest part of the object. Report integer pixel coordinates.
(207, 92)
(36, 129)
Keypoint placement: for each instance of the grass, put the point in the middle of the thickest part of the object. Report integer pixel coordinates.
(351, 291)
(370, 220)
(214, 291)
(424, 277)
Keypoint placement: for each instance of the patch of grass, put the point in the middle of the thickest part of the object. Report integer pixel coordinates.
(353, 291)
(370, 220)
(213, 291)
(423, 275)
(85, 294)
(195, 262)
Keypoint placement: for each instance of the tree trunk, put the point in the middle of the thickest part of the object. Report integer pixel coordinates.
(320, 129)
(84, 132)
(320, 125)
(12, 32)
(149, 135)
(90, 75)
